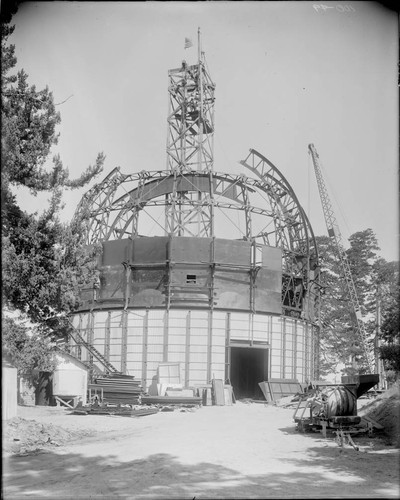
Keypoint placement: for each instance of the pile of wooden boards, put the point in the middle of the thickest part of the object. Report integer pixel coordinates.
(105, 409)
(171, 400)
(120, 389)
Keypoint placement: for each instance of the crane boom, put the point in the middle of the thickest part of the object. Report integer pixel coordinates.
(335, 236)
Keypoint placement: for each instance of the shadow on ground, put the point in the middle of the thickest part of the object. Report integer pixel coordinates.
(328, 472)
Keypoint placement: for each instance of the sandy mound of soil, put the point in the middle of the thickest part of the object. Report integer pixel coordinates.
(21, 436)
(385, 410)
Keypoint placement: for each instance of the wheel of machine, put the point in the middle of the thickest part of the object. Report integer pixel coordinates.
(341, 401)
(301, 426)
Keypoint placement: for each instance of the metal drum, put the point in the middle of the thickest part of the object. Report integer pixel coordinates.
(341, 402)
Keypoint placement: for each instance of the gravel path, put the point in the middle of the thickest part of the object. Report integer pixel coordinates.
(239, 451)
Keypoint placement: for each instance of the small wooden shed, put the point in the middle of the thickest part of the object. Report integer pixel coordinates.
(9, 392)
(70, 380)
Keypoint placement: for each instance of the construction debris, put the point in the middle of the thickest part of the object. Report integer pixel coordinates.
(105, 409)
(289, 401)
(23, 437)
(171, 400)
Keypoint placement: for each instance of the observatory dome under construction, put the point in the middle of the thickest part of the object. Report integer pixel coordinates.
(212, 271)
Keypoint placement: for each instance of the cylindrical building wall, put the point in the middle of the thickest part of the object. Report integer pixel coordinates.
(137, 341)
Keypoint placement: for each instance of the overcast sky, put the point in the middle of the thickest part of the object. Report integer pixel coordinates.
(287, 73)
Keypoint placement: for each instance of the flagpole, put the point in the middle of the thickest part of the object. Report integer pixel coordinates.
(200, 136)
(199, 44)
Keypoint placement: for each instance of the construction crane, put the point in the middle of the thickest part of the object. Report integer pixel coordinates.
(336, 238)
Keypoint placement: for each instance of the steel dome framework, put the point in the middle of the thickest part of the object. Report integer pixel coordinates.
(270, 211)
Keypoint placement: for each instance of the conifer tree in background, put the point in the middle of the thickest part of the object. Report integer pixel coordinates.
(389, 304)
(43, 261)
(336, 339)
(374, 279)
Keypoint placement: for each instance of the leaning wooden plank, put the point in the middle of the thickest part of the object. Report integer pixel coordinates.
(228, 395)
(233, 396)
(207, 396)
(294, 388)
(218, 392)
(264, 386)
(280, 388)
(374, 423)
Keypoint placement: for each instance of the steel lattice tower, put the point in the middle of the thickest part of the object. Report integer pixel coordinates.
(190, 147)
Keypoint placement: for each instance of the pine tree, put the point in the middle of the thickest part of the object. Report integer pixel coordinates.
(43, 260)
(339, 339)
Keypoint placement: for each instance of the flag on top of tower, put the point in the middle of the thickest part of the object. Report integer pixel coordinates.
(188, 43)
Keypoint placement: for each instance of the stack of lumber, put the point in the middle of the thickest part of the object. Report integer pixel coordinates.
(120, 389)
(171, 400)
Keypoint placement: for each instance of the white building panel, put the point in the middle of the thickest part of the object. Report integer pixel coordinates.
(115, 333)
(197, 377)
(135, 337)
(155, 349)
(200, 335)
(218, 339)
(198, 350)
(177, 318)
(100, 318)
(136, 320)
(260, 328)
(176, 348)
(134, 369)
(176, 357)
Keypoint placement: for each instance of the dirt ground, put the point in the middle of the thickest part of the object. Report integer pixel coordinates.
(385, 409)
(240, 451)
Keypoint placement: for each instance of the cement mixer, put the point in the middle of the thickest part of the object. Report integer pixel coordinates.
(334, 406)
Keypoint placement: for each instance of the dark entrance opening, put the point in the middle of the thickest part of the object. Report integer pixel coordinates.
(249, 367)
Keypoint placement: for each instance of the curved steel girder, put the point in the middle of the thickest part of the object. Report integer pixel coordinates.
(281, 192)
(161, 185)
(205, 203)
(273, 168)
(290, 221)
(94, 203)
(285, 200)
(182, 183)
(120, 230)
(153, 185)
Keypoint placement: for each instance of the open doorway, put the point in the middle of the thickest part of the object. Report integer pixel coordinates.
(248, 367)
